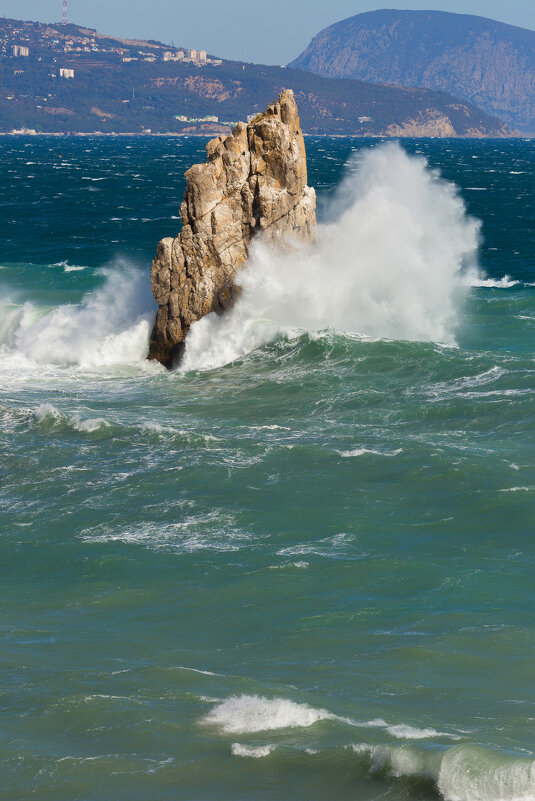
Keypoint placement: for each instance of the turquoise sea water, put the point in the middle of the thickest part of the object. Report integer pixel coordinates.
(303, 571)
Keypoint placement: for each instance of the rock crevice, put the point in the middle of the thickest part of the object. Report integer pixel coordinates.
(254, 182)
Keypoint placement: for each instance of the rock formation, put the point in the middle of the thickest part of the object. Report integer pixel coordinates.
(255, 181)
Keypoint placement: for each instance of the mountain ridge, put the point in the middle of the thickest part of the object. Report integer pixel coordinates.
(61, 79)
(489, 63)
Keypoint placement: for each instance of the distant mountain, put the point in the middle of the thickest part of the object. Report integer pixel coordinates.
(486, 62)
(56, 78)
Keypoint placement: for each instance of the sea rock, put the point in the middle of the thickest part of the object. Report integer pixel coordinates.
(254, 182)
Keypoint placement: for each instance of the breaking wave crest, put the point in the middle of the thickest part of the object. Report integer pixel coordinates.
(253, 752)
(251, 713)
(109, 326)
(49, 417)
(389, 266)
(460, 772)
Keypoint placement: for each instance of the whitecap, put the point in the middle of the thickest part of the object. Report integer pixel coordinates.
(111, 325)
(251, 751)
(506, 282)
(363, 451)
(198, 670)
(245, 714)
(46, 412)
(474, 773)
(461, 773)
(404, 732)
(214, 531)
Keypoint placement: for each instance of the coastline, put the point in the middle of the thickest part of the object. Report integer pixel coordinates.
(211, 134)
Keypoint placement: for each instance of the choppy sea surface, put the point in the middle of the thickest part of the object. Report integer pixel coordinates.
(302, 565)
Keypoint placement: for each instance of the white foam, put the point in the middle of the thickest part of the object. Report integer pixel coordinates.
(517, 489)
(328, 547)
(46, 411)
(197, 670)
(213, 531)
(363, 451)
(400, 760)
(69, 268)
(461, 773)
(251, 751)
(473, 773)
(302, 565)
(73, 268)
(244, 714)
(404, 732)
(388, 267)
(506, 282)
(110, 326)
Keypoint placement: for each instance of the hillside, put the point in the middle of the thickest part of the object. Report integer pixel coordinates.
(486, 62)
(58, 78)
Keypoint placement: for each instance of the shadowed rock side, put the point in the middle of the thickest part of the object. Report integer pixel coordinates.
(255, 180)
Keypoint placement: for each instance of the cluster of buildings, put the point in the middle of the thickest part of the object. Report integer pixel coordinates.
(19, 39)
(198, 57)
(190, 56)
(22, 51)
(208, 118)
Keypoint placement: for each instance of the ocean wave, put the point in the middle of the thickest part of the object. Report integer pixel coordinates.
(70, 268)
(404, 732)
(335, 547)
(466, 772)
(52, 419)
(474, 773)
(251, 751)
(48, 415)
(245, 714)
(506, 282)
(364, 451)
(111, 326)
(170, 433)
(197, 670)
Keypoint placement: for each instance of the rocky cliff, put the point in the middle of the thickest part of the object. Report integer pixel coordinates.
(480, 60)
(254, 182)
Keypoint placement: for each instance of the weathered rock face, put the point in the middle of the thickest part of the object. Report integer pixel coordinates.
(255, 181)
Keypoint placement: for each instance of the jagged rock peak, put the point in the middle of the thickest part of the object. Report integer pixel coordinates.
(255, 181)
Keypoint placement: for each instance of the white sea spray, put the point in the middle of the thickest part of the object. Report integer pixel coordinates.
(110, 326)
(393, 264)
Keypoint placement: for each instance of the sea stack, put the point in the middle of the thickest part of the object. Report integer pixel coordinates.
(254, 182)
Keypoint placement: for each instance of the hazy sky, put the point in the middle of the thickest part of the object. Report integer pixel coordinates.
(264, 31)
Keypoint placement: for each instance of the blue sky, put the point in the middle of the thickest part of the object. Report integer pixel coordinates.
(264, 31)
